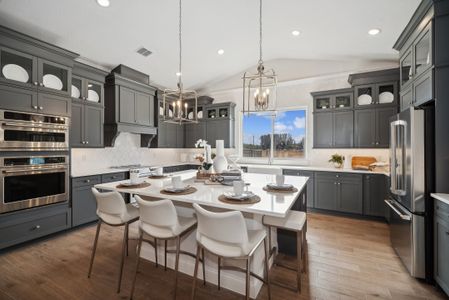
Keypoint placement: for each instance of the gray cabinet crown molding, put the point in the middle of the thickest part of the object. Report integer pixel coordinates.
(31, 45)
(117, 79)
(89, 72)
(374, 77)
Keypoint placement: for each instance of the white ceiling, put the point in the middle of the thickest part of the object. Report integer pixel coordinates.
(331, 30)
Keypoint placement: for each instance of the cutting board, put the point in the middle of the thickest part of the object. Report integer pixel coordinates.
(362, 162)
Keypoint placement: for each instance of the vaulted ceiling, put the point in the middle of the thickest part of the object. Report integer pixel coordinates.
(333, 31)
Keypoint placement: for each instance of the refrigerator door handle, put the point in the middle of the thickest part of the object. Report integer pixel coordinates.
(397, 146)
(391, 204)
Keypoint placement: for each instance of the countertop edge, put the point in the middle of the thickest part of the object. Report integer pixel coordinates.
(441, 197)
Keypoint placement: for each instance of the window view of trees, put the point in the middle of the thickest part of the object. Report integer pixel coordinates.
(286, 130)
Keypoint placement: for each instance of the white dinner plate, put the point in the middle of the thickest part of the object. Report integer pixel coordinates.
(282, 187)
(131, 184)
(75, 92)
(51, 81)
(170, 113)
(93, 96)
(243, 196)
(200, 114)
(386, 97)
(161, 111)
(15, 72)
(190, 115)
(364, 99)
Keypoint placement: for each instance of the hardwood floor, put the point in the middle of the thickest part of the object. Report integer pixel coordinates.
(348, 259)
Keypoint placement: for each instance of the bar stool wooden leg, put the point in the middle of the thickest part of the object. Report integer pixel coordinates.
(204, 266)
(267, 278)
(299, 257)
(127, 240)
(155, 251)
(219, 273)
(304, 252)
(248, 273)
(122, 262)
(165, 255)
(178, 247)
(139, 247)
(195, 272)
(94, 249)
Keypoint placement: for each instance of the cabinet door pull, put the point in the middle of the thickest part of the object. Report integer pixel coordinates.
(35, 107)
(41, 107)
(41, 84)
(87, 142)
(36, 83)
(87, 181)
(36, 227)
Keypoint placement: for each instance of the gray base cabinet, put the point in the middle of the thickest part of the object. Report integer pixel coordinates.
(441, 240)
(339, 192)
(84, 205)
(29, 224)
(310, 183)
(375, 190)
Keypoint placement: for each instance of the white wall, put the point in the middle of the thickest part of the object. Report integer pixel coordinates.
(296, 94)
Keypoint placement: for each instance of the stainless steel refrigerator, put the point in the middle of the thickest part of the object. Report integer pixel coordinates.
(407, 200)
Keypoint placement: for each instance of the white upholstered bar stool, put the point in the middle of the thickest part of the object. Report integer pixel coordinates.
(294, 221)
(112, 210)
(160, 220)
(225, 235)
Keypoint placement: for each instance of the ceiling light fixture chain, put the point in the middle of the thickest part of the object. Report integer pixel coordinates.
(259, 89)
(179, 106)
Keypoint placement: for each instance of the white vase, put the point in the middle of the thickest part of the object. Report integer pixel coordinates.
(220, 162)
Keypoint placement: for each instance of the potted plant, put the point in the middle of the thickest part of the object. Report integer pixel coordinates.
(337, 160)
(205, 158)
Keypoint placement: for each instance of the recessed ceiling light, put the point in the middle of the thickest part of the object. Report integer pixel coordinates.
(178, 74)
(296, 32)
(220, 51)
(374, 31)
(104, 3)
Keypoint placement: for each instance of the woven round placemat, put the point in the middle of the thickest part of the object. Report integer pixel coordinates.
(252, 200)
(157, 176)
(188, 191)
(267, 189)
(136, 186)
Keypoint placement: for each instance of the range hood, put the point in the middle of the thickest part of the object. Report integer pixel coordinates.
(130, 106)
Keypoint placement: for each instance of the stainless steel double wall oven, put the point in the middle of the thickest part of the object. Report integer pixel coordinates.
(34, 160)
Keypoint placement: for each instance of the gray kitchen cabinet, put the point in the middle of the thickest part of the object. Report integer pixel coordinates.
(86, 128)
(441, 245)
(170, 135)
(325, 191)
(93, 126)
(144, 109)
(333, 129)
(333, 100)
(127, 105)
(84, 205)
(380, 94)
(180, 136)
(25, 225)
(406, 98)
(77, 126)
(323, 130)
(372, 127)
(374, 193)
(423, 88)
(219, 130)
(343, 132)
(53, 104)
(365, 128)
(350, 193)
(194, 132)
(19, 99)
(310, 183)
(340, 192)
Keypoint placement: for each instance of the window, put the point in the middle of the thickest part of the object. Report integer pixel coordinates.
(275, 136)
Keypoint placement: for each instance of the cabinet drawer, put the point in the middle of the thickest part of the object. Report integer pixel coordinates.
(87, 180)
(442, 210)
(28, 225)
(113, 177)
(291, 172)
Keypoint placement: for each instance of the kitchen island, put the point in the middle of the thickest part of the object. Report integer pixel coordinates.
(273, 204)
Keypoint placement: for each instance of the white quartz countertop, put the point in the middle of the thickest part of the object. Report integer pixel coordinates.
(274, 204)
(76, 172)
(313, 168)
(442, 197)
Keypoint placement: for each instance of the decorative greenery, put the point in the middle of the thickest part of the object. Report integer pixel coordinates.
(337, 158)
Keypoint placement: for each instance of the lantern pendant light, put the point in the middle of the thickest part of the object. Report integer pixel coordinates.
(259, 89)
(180, 106)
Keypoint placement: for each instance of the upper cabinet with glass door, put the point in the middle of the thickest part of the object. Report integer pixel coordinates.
(423, 51)
(18, 68)
(88, 84)
(340, 99)
(384, 94)
(54, 77)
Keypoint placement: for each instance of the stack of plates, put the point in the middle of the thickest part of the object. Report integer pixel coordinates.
(364, 99)
(282, 187)
(93, 96)
(172, 189)
(129, 183)
(75, 92)
(243, 196)
(15, 72)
